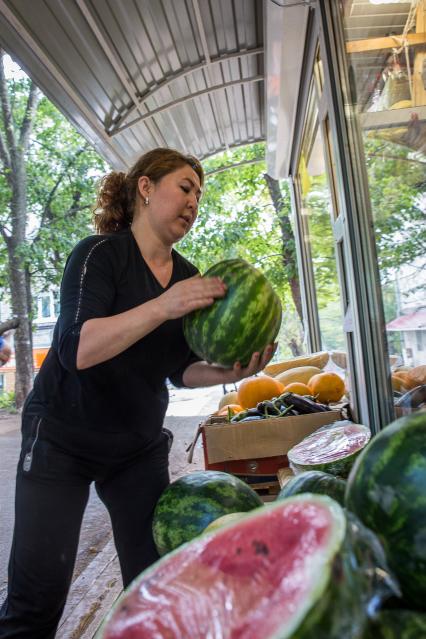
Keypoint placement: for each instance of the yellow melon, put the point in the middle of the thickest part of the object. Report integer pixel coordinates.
(228, 398)
(319, 359)
(301, 374)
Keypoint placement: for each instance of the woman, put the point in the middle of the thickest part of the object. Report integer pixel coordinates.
(98, 404)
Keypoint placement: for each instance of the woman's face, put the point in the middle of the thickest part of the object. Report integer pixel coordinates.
(173, 203)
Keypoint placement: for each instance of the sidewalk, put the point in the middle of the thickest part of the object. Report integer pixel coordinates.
(97, 580)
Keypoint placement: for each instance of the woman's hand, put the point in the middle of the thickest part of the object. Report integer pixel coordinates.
(204, 374)
(190, 294)
(256, 364)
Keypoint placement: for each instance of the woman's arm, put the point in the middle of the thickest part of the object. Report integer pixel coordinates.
(105, 337)
(203, 374)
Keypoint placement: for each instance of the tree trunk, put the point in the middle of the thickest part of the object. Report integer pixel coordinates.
(22, 337)
(282, 209)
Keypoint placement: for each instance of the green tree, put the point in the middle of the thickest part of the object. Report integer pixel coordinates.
(46, 188)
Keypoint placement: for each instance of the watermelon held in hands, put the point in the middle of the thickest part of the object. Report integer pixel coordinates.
(386, 489)
(297, 569)
(331, 449)
(246, 320)
(192, 502)
(317, 482)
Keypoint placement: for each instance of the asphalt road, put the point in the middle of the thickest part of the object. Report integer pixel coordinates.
(186, 409)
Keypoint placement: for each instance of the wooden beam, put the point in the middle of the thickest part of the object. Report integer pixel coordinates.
(390, 42)
(419, 88)
(391, 117)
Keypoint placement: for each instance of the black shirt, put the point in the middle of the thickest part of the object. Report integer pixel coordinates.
(106, 275)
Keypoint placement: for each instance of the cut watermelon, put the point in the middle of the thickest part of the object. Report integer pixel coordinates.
(387, 491)
(331, 449)
(297, 569)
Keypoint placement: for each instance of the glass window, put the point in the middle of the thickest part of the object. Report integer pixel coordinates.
(386, 54)
(316, 209)
(56, 304)
(45, 306)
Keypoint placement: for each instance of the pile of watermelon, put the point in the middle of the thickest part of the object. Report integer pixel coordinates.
(304, 567)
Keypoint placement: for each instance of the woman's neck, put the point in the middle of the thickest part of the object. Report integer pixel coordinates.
(150, 245)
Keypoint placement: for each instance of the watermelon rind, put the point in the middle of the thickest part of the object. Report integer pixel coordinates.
(398, 624)
(246, 320)
(387, 490)
(331, 449)
(317, 482)
(189, 504)
(345, 586)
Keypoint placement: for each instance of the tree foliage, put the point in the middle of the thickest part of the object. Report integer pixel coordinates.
(47, 174)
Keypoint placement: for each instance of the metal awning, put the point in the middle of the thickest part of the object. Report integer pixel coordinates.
(135, 74)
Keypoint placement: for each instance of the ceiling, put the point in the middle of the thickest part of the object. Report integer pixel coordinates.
(202, 76)
(135, 74)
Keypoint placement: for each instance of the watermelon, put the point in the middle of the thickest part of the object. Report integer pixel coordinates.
(387, 490)
(317, 482)
(225, 520)
(192, 502)
(398, 624)
(299, 569)
(331, 449)
(246, 320)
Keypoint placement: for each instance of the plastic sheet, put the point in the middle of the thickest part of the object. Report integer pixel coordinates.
(279, 569)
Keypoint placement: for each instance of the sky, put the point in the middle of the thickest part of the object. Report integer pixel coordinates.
(11, 69)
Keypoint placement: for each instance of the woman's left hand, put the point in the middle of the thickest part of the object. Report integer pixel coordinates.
(256, 364)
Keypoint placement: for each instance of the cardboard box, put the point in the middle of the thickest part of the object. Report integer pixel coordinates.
(255, 449)
(273, 437)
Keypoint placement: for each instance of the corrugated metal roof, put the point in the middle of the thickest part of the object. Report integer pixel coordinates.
(135, 74)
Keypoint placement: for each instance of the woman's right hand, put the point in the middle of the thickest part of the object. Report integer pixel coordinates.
(190, 294)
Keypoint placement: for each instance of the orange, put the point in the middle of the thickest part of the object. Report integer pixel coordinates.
(404, 377)
(327, 387)
(233, 408)
(398, 383)
(256, 389)
(298, 388)
(417, 376)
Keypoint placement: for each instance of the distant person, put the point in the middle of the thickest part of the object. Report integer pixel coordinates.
(97, 408)
(5, 351)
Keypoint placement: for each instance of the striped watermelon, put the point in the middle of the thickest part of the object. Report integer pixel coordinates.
(387, 490)
(246, 320)
(398, 624)
(296, 569)
(317, 482)
(192, 502)
(331, 449)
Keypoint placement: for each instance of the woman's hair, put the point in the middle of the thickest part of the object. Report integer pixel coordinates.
(117, 192)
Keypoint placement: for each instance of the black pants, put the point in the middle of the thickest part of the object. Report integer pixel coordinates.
(55, 470)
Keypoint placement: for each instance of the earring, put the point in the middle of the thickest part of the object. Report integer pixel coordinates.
(146, 201)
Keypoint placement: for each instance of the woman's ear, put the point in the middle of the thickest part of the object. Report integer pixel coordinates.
(144, 186)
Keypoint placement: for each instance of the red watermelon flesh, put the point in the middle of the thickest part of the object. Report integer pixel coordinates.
(247, 580)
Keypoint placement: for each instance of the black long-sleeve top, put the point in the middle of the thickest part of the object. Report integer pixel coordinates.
(106, 275)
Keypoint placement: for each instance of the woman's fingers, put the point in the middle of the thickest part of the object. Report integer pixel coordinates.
(257, 362)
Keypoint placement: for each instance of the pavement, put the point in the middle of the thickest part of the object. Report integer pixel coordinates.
(96, 580)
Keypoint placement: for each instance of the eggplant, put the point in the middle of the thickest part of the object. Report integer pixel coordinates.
(304, 405)
(268, 408)
(252, 418)
(249, 412)
(412, 398)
